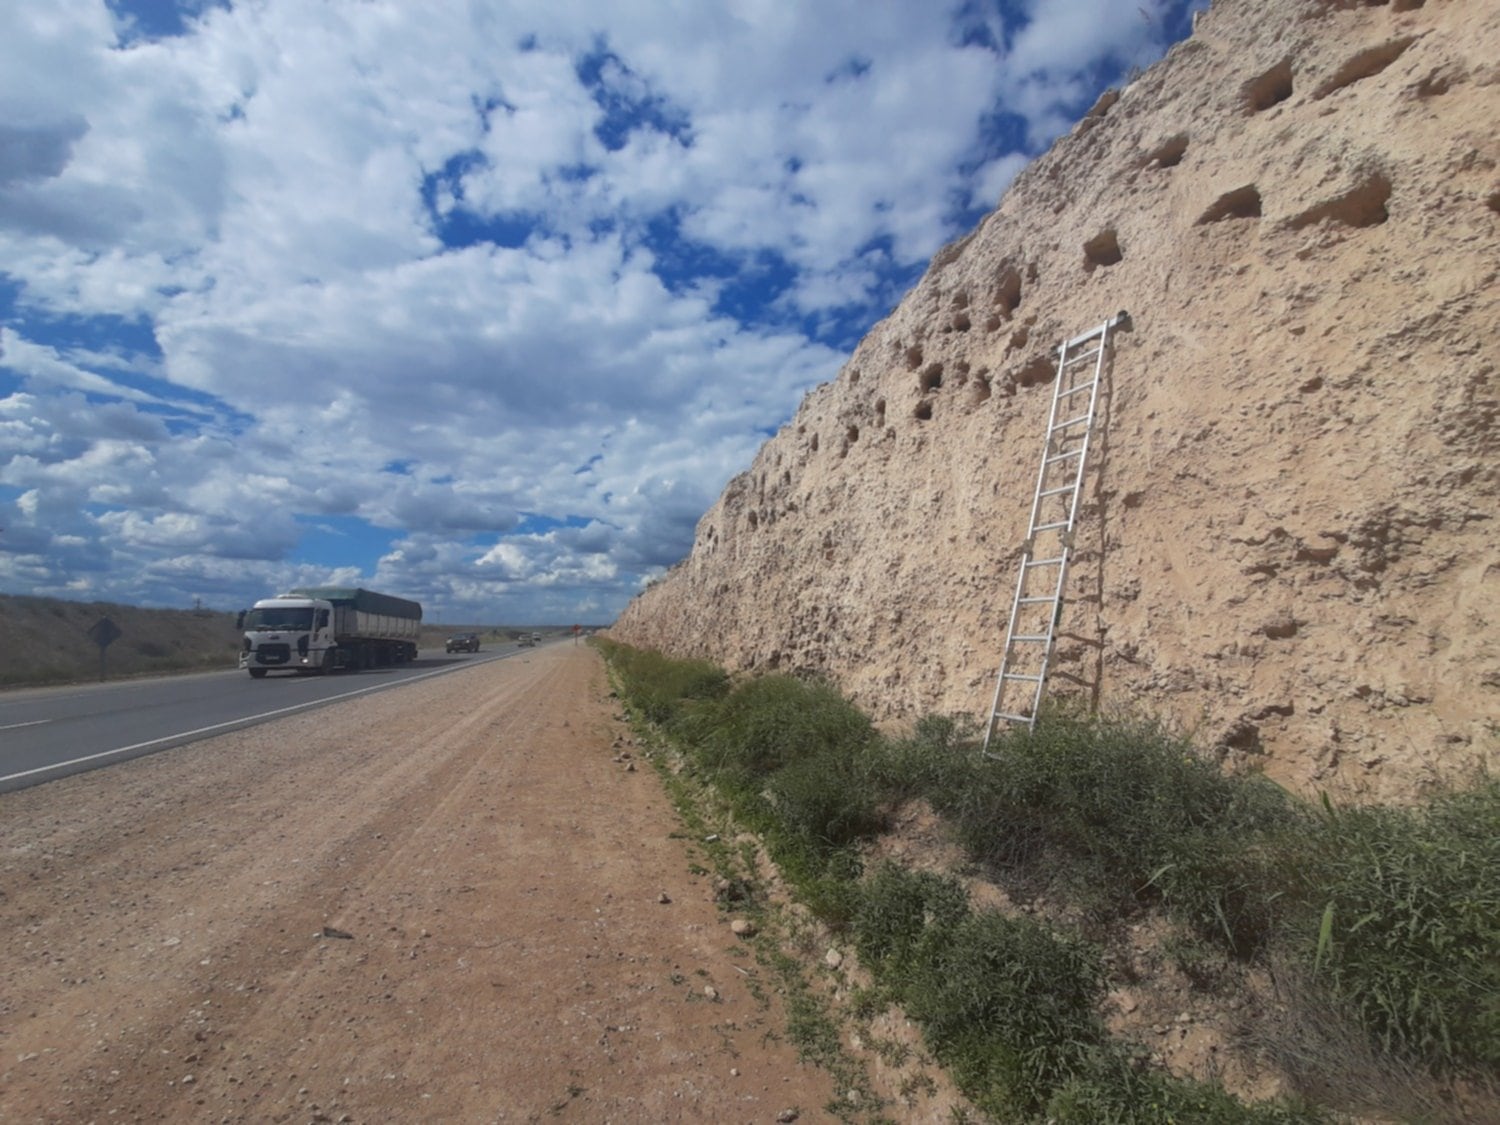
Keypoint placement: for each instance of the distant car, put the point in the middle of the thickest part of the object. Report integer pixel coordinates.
(524, 640)
(463, 642)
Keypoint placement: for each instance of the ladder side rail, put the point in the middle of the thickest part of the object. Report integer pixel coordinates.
(1041, 476)
(1088, 429)
(1010, 629)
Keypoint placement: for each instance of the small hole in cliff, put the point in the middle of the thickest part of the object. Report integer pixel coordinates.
(1365, 64)
(1008, 290)
(1494, 201)
(1362, 206)
(1434, 85)
(853, 376)
(1102, 250)
(1313, 384)
(813, 444)
(852, 433)
(992, 322)
(923, 412)
(754, 520)
(1407, 5)
(1270, 88)
(913, 357)
(773, 661)
(931, 379)
(961, 322)
(960, 300)
(1169, 153)
(1035, 373)
(981, 390)
(1241, 203)
(880, 411)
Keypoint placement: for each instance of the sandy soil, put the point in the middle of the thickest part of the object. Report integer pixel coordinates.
(440, 904)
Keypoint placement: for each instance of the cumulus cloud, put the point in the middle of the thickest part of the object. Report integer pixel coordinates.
(482, 304)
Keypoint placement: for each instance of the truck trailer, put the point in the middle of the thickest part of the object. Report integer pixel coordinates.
(322, 628)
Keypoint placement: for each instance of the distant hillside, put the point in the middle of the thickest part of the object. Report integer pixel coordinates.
(46, 640)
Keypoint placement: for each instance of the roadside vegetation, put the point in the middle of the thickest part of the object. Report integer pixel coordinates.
(46, 641)
(1377, 927)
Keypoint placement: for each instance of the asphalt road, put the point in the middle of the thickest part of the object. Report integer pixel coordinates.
(47, 733)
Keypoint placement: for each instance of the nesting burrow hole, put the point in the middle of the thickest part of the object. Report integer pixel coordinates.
(1241, 203)
(1102, 250)
(931, 379)
(1365, 64)
(1268, 89)
(923, 411)
(1361, 206)
(1168, 154)
(1036, 372)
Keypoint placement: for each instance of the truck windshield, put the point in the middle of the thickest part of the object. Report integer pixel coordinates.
(299, 618)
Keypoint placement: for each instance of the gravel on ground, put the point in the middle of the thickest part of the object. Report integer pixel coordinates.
(450, 902)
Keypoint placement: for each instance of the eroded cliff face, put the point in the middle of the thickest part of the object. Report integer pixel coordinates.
(1290, 540)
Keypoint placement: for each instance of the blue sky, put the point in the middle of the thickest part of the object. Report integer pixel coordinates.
(481, 304)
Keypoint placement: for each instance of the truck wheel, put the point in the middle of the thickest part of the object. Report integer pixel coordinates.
(257, 673)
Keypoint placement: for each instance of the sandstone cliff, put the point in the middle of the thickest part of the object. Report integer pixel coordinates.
(1290, 541)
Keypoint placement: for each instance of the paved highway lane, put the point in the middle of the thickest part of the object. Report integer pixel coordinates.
(48, 733)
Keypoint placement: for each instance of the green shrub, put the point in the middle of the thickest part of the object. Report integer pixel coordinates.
(1010, 1006)
(826, 798)
(1410, 926)
(1125, 812)
(660, 686)
(938, 757)
(898, 910)
(772, 721)
(1110, 1090)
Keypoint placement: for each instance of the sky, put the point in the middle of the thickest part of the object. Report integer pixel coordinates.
(477, 302)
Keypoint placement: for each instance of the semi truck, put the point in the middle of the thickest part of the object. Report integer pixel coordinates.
(322, 628)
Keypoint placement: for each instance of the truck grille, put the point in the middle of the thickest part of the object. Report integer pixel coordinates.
(273, 654)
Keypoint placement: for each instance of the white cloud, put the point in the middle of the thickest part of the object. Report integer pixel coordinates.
(235, 327)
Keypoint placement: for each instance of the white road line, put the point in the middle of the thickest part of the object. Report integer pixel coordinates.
(18, 726)
(218, 726)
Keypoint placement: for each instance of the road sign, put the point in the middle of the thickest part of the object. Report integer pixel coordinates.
(104, 632)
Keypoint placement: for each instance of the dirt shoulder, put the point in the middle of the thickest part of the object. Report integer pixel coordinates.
(443, 903)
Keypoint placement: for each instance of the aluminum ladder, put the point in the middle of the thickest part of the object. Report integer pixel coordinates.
(1037, 607)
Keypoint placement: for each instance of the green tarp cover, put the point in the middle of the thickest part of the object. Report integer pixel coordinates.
(367, 601)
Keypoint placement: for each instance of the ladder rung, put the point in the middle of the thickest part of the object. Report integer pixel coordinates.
(1030, 637)
(1013, 718)
(1020, 676)
(1049, 526)
(1081, 356)
(1063, 456)
(1075, 390)
(1070, 422)
(1033, 601)
(1057, 491)
(1044, 562)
